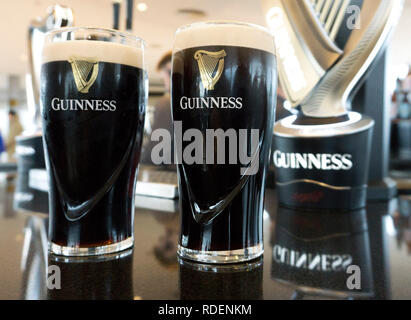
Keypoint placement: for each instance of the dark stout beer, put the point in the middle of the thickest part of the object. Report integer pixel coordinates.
(93, 96)
(226, 80)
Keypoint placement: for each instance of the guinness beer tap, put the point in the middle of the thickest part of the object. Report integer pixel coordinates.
(322, 153)
(30, 194)
(57, 17)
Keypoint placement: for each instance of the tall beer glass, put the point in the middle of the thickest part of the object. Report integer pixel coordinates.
(93, 95)
(224, 82)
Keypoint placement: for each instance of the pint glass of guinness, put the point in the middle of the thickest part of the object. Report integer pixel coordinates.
(224, 82)
(93, 99)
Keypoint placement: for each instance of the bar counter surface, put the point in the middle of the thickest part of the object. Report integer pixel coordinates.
(306, 257)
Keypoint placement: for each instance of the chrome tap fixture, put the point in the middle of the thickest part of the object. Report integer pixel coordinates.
(324, 49)
(318, 75)
(57, 16)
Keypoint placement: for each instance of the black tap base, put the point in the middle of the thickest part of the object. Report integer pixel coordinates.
(323, 167)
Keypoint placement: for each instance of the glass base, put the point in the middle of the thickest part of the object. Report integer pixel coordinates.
(92, 251)
(221, 257)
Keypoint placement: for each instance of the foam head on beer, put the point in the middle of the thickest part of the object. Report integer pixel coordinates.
(224, 34)
(101, 51)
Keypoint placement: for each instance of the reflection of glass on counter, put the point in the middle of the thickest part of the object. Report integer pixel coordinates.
(221, 282)
(102, 277)
(312, 251)
(106, 277)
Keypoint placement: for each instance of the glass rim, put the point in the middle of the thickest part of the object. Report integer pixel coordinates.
(121, 34)
(223, 22)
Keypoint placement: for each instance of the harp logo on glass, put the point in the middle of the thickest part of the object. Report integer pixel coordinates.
(211, 66)
(85, 72)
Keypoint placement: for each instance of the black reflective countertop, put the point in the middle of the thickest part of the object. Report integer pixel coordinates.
(306, 256)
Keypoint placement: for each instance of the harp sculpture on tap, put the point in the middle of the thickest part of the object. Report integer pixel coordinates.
(322, 153)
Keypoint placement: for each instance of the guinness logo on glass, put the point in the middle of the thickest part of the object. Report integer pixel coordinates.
(211, 65)
(85, 72)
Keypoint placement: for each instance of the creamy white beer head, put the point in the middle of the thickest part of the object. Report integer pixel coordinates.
(221, 33)
(100, 51)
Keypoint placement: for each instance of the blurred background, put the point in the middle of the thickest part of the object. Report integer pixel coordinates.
(155, 21)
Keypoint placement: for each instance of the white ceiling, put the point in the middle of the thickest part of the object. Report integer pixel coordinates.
(156, 25)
